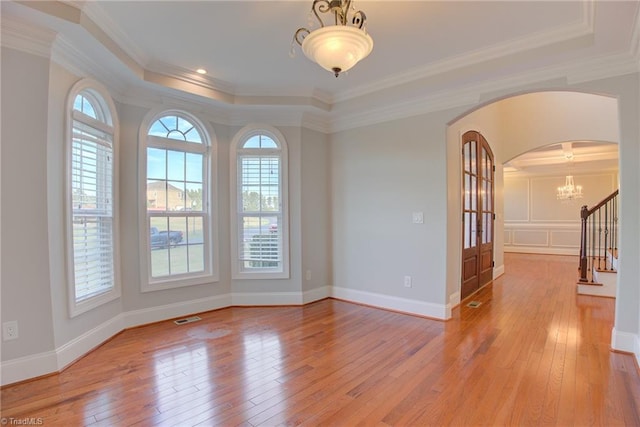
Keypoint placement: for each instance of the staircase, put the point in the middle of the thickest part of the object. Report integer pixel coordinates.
(599, 248)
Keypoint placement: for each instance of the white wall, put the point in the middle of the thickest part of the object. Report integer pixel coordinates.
(536, 222)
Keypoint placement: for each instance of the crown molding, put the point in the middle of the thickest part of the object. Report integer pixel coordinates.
(25, 37)
(543, 78)
(65, 54)
(585, 27)
(96, 13)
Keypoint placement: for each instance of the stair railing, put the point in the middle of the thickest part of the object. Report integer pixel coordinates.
(598, 235)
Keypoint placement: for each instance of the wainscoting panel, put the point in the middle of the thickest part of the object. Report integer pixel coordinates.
(563, 239)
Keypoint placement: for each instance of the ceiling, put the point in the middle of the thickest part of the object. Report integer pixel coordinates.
(427, 55)
(568, 158)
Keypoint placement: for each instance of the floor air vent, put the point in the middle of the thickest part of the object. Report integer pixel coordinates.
(474, 304)
(187, 320)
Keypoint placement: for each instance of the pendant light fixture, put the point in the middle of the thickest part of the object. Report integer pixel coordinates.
(339, 46)
(569, 191)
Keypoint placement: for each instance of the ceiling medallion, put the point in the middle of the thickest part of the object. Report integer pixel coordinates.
(339, 46)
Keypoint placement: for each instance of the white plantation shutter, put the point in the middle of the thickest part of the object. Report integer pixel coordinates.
(259, 216)
(92, 207)
(91, 191)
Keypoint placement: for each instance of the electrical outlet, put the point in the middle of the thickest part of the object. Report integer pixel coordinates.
(308, 275)
(407, 281)
(10, 330)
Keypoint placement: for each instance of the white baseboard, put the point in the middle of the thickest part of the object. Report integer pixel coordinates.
(23, 368)
(266, 298)
(541, 250)
(81, 345)
(316, 294)
(498, 271)
(170, 311)
(421, 308)
(627, 342)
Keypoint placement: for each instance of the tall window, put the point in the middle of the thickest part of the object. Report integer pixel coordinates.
(259, 216)
(91, 196)
(177, 203)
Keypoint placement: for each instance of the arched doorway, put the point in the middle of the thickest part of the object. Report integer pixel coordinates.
(515, 125)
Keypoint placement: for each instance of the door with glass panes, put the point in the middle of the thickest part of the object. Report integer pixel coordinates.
(478, 213)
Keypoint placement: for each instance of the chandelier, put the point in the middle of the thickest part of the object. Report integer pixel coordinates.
(569, 191)
(339, 46)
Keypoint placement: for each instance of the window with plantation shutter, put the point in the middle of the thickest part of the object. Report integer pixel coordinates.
(91, 219)
(260, 214)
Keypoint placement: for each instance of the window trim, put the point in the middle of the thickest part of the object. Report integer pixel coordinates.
(76, 308)
(210, 218)
(237, 273)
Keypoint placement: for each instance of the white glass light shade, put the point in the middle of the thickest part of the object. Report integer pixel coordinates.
(337, 48)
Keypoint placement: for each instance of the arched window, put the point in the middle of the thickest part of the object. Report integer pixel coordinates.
(259, 206)
(177, 207)
(91, 196)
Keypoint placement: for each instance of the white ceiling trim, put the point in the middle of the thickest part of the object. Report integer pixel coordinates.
(97, 14)
(542, 79)
(20, 35)
(585, 27)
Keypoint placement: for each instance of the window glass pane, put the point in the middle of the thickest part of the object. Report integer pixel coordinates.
(193, 201)
(260, 141)
(266, 142)
(156, 195)
(467, 191)
(466, 156)
(175, 165)
(467, 230)
(195, 234)
(473, 193)
(177, 245)
(159, 246)
(474, 230)
(261, 242)
(156, 163)
(176, 196)
(196, 258)
(158, 129)
(473, 166)
(177, 128)
(194, 167)
(82, 104)
(253, 142)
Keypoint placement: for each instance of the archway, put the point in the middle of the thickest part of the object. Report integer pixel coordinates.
(515, 125)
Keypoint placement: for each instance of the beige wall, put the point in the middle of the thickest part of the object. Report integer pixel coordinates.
(536, 222)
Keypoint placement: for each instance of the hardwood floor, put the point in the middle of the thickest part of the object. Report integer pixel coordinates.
(533, 353)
